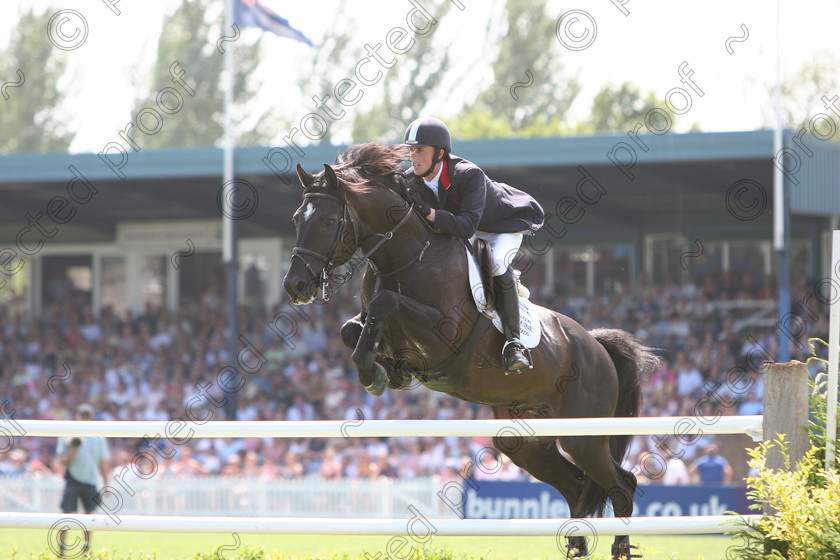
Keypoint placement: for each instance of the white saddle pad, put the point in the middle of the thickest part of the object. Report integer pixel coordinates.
(530, 329)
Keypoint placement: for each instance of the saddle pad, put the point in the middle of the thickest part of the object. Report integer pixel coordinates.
(530, 329)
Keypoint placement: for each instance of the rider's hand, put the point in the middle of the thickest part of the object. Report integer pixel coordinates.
(419, 205)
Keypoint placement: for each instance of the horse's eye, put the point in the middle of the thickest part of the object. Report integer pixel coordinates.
(330, 222)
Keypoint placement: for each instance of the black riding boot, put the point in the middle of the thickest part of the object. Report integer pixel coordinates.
(507, 304)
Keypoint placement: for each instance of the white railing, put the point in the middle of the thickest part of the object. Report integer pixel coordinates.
(241, 496)
(513, 427)
(417, 527)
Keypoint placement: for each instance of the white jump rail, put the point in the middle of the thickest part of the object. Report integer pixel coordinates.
(381, 527)
(685, 426)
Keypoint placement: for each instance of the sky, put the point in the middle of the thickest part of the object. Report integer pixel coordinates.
(726, 49)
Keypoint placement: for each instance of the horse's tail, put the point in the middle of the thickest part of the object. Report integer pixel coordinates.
(633, 362)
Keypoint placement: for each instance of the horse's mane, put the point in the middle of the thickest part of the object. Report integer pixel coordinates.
(364, 167)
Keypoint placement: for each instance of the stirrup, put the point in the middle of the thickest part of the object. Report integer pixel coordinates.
(525, 352)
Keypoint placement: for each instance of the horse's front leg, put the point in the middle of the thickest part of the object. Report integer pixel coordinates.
(386, 303)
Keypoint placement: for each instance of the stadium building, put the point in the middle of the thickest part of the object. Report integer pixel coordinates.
(145, 228)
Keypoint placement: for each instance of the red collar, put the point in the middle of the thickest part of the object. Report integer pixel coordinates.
(444, 177)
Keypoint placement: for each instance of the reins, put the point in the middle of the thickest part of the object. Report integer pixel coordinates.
(327, 275)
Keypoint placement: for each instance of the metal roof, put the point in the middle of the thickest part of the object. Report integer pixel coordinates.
(694, 183)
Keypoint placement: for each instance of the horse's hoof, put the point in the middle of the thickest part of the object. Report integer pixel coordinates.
(380, 381)
(399, 377)
(399, 383)
(577, 547)
(622, 549)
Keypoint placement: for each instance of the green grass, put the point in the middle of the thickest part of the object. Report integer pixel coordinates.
(165, 546)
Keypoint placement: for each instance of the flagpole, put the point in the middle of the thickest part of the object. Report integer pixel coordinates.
(229, 226)
(781, 212)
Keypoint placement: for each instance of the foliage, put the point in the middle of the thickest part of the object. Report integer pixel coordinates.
(803, 517)
(189, 37)
(802, 94)
(335, 54)
(526, 42)
(818, 404)
(805, 523)
(618, 108)
(410, 85)
(31, 109)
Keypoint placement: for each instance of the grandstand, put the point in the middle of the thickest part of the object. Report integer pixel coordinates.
(121, 303)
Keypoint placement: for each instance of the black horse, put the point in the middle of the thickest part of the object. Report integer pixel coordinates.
(418, 320)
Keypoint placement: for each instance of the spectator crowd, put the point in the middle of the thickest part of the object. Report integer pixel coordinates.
(153, 365)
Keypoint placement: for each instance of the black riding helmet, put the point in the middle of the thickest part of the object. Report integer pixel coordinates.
(429, 131)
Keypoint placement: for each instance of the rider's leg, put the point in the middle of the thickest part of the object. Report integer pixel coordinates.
(504, 250)
(507, 304)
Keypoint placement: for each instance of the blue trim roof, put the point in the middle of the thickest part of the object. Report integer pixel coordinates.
(818, 191)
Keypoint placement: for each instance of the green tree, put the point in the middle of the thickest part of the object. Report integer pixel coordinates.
(410, 85)
(530, 54)
(802, 95)
(333, 60)
(618, 108)
(189, 37)
(31, 116)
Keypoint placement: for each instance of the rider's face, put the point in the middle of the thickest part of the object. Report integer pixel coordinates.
(421, 158)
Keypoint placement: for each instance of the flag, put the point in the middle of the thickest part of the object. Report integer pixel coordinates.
(252, 13)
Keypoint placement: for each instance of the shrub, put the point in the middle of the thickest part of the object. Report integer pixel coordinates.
(803, 516)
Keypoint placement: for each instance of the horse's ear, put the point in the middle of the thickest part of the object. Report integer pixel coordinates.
(306, 179)
(329, 175)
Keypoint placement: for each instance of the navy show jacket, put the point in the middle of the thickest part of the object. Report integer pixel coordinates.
(471, 201)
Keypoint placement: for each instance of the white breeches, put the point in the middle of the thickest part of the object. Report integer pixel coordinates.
(505, 248)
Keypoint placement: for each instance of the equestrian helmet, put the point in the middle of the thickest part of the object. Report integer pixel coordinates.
(428, 131)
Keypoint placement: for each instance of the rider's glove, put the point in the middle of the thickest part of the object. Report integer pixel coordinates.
(422, 208)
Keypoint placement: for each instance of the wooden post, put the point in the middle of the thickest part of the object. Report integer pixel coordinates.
(786, 410)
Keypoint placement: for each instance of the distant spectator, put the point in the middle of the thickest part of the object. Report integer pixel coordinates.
(751, 405)
(233, 466)
(676, 473)
(711, 468)
(85, 459)
(330, 466)
(15, 464)
(689, 378)
(269, 469)
(187, 466)
(292, 467)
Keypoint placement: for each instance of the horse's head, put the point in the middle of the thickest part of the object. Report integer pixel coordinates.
(360, 203)
(326, 236)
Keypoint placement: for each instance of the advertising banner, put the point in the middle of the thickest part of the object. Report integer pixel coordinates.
(485, 499)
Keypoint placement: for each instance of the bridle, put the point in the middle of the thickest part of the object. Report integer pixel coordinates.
(326, 272)
(329, 260)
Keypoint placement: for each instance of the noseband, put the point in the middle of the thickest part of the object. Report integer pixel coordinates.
(327, 275)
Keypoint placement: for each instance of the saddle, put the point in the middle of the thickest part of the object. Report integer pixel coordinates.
(482, 286)
(483, 254)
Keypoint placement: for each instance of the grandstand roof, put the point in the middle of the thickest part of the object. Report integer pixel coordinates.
(709, 184)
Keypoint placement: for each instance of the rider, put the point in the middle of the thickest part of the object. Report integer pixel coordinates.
(456, 197)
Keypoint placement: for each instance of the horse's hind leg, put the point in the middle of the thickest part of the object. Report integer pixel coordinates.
(540, 457)
(592, 455)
